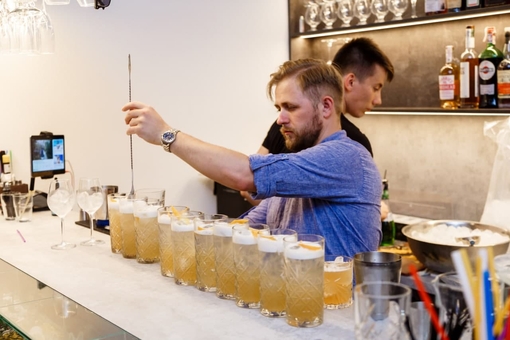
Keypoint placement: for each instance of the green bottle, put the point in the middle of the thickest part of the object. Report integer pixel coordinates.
(489, 60)
(388, 224)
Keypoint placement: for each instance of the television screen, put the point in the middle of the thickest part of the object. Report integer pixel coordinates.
(47, 155)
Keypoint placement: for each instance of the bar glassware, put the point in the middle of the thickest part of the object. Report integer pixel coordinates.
(224, 258)
(165, 237)
(272, 269)
(338, 277)
(90, 198)
(204, 251)
(114, 220)
(304, 273)
(183, 243)
(247, 263)
(127, 226)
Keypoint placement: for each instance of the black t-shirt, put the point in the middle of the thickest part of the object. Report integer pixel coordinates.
(275, 142)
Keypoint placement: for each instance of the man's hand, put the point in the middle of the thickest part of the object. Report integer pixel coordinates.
(145, 122)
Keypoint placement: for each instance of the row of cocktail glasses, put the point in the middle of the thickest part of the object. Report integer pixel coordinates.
(278, 271)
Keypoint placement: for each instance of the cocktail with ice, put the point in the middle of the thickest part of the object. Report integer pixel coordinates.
(127, 226)
(272, 272)
(247, 263)
(114, 220)
(61, 199)
(165, 237)
(183, 241)
(146, 230)
(304, 272)
(90, 198)
(204, 251)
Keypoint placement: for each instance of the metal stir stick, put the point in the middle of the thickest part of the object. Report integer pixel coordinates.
(132, 192)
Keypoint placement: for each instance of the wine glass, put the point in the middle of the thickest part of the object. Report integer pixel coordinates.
(397, 7)
(90, 199)
(328, 14)
(379, 8)
(345, 12)
(362, 11)
(413, 8)
(312, 16)
(61, 198)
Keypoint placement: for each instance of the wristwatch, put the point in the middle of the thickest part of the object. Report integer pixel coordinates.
(167, 138)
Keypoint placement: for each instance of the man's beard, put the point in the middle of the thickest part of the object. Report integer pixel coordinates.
(305, 138)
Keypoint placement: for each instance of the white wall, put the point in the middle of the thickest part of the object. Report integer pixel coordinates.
(202, 64)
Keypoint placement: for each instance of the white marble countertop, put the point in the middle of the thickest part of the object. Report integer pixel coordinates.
(136, 297)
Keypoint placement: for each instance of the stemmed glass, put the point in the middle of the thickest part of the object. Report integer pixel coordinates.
(397, 7)
(328, 14)
(61, 199)
(90, 199)
(362, 11)
(413, 8)
(312, 15)
(379, 8)
(345, 12)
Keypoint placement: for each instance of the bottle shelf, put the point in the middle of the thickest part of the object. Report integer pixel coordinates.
(432, 111)
(467, 14)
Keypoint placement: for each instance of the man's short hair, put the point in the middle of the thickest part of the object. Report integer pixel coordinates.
(315, 78)
(359, 56)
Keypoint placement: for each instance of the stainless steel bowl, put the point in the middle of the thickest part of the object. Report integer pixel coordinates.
(436, 256)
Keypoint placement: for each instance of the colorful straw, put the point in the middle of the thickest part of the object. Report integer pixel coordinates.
(428, 304)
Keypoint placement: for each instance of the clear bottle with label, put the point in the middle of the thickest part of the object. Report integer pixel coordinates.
(435, 7)
(387, 224)
(504, 74)
(449, 82)
(469, 72)
(489, 61)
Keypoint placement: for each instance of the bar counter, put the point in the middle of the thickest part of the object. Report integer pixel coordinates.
(136, 297)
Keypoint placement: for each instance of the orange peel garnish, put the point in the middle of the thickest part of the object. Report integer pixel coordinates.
(201, 228)
(240, 221)
(309, 246)
(269, 237)
(175, 212)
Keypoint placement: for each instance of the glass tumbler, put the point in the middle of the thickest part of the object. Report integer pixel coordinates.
(127, 226)
(224, 258)
(204, 251)
(304, 274)
(114, 219)
(146, 230)
(272, 269)
(338, 277)
(166, 257)
(183, 244)
(247, 263)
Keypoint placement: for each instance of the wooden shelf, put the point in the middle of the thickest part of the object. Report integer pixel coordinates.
(432, 111)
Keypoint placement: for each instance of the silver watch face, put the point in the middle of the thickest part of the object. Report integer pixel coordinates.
(168, 137)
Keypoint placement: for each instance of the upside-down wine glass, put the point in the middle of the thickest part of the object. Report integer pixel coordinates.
(312, 15)
(90, 199)
(345, 12)
(379, 8)
(362, 11)
(328, 13)
(397, 7)
(413, 8)
(61, 199)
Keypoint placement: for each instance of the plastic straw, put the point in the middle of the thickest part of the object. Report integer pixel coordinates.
(428, 304)
(481, 268)
(465, 273)
(500, 318)
(19, 233)
(495, 292)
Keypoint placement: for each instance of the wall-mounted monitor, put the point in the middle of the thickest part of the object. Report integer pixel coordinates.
(47, 155)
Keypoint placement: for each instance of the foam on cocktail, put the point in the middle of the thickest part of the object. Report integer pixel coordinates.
(244, 236)
(164, 219)
(202, 228)
(304, 250)
(183, 224)
(142, 210)
(223, 229)
(126, 207)
(271, 244)
(114, 204)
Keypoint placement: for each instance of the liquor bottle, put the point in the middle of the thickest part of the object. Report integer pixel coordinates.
(435, 7)
(449, 82)
(504, 74)
(489, 61)
(387, 224)
(469, 72)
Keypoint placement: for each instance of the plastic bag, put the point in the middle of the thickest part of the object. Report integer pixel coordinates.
(497, 206)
